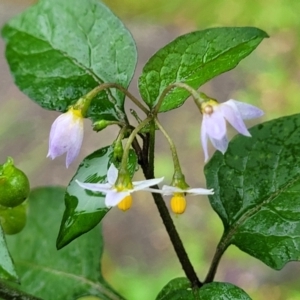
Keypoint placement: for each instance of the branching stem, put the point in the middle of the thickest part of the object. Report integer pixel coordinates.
(148, 169)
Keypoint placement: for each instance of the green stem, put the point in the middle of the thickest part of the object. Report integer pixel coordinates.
(148, 169)
(177, 168)
(221, 248)
(10, 293)
(85, 101)
(192, 91)
(130, 141)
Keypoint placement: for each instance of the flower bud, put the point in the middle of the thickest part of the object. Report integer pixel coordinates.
(100, 125)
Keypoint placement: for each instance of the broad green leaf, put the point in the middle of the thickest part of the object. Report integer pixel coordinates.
(195, 58)
(257, 191)
(7, 268)
(179, 289)
(85, 209)
(60, 50)
(68, 274)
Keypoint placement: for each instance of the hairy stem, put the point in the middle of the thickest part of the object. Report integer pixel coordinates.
(148, 169)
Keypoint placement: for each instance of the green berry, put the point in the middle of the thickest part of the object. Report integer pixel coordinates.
(13, 219)
(14, 185)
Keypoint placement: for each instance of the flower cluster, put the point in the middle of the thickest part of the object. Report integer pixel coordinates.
(67, 133)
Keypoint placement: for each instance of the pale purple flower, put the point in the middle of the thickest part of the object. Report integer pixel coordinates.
(171, 190)
(66, 135)
(114, 195)
(214, 122)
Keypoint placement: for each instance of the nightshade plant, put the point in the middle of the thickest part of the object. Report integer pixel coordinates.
(76, 57)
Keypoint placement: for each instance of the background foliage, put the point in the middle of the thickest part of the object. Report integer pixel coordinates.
(269, 78)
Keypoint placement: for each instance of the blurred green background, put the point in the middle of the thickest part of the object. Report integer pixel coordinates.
(139, 259)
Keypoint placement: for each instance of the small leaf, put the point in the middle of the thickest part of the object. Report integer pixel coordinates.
(85, 209)
(195, 58)
(179, 289)
(67, 274)
(7, 268)
(257, 191)
(181, 283)
(60, 50)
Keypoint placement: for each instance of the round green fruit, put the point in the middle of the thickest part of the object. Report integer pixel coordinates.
(14, 185)
(13, 219)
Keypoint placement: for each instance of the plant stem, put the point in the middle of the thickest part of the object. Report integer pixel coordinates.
(222, 246)
(164, 93)
(148, 169)
(10, 293)
(85, 100)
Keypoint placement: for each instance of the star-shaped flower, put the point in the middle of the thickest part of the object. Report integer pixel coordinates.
(214, 121)
(178, 202)
(115, 192)
(66, 135)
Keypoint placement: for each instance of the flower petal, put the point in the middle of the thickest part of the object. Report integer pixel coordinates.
(215, 125)
(113, 198)
(75, 141)
(233, 116)
(247, 111)
(170, 190)
(59, 135)
(96, 187)
(112, 174)
(66, 135)
(142, 185)
(204, 142)
(221, 144)
(200, 191)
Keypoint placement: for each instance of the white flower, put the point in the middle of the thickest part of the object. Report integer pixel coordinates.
(115, 194)
(171, 190)
(214, 124)
(66, 135)
(178, 202)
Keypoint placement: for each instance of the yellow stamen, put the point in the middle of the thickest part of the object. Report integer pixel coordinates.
(178, 203)
(126, 203)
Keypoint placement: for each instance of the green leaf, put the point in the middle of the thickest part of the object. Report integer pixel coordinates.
(50, 274)
(7, 268)
(181, 283)
(195, 58)
(60, 50)
(85, 209)
(257, 191)
(179, 289)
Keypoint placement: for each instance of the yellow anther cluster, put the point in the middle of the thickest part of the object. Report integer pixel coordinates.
(126, 203)
(178, 203)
